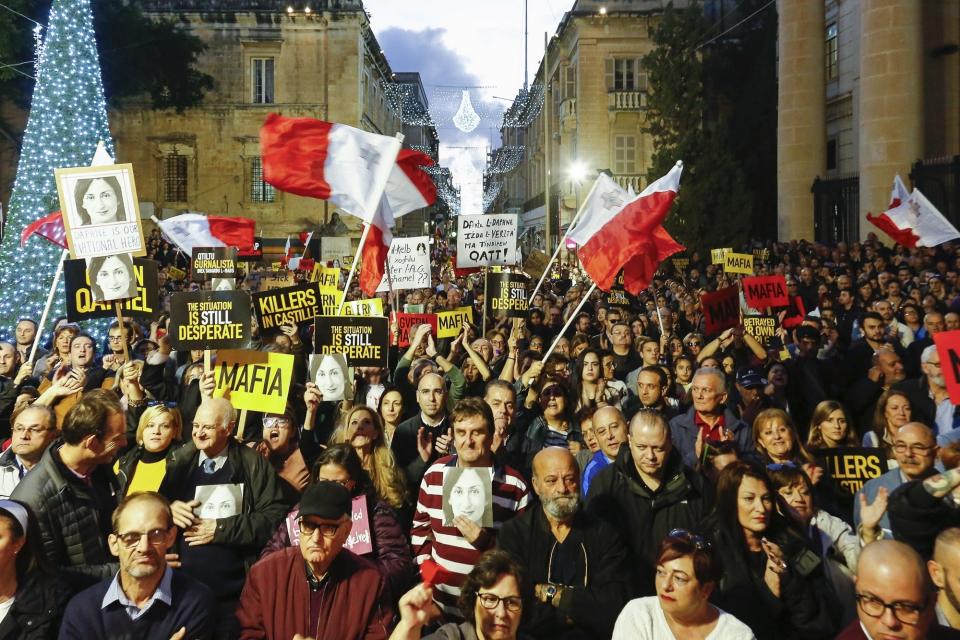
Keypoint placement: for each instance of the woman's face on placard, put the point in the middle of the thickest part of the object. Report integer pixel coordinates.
(113, 278)
(330, 379)
(100, 202)
(468, 496)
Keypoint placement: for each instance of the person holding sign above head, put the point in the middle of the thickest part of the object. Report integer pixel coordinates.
(456, 547)
(112, 277)
(280, 446)
(99, 200)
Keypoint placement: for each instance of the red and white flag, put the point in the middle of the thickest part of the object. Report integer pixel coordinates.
(616, 232)
(189, 230)
(408, 189)
(329, 161)
(912, 220)
(49, 227)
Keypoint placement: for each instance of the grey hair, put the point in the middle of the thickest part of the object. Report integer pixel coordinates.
(713, 371)
(928, 353)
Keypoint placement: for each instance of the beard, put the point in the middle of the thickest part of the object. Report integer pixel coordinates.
(562, 507)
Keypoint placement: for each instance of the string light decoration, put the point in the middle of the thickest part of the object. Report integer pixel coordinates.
(68, 117)
(491, 193)
(504, 159)
(405, 103)
(466, 118)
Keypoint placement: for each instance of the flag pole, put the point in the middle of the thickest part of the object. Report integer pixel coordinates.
(46, 307)
(486, 303)
(563, 240)
(353, 268)
(570, 320)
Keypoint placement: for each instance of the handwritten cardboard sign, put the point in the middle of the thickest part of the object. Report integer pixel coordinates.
(409, 261)
(362, 340)
(209, 320)
(256, 380)
(721, 309)
(765, 291)
(486, 240)
(83, 303)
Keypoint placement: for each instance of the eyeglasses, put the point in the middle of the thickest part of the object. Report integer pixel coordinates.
(694, 343)
(780, 466)
(552, 392)
(133, 538)
(115, 338)
(492, 601)
(904, 611)
(31, 430)
(272, 422)
(689, 537)
(902, 447)
(327, 530)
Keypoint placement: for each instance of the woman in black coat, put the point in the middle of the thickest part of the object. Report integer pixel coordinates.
(766, 570)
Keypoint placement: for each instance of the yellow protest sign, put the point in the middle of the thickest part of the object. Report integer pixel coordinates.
(256, 380)
(449, 323)
(716, 255)
(369, 307)
(176, 273)
(738, 263)
(326, 276)
(329, 300)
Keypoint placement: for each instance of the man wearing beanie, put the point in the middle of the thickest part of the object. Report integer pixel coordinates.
(316, 588)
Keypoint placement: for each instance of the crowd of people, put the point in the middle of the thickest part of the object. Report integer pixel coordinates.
(646, 480)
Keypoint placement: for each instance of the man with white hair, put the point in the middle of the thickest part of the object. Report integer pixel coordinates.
(929, 399)
(708, 416)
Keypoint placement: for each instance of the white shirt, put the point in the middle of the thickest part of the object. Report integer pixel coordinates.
(643, 619)
(218, 461)
(5, 608)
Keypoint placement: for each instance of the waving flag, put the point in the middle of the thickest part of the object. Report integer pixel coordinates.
(189, 230)
(49, 227)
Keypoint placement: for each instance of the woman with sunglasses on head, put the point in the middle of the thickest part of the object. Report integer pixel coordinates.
(391, 552)
(492, 592)
(688, 572)
(159, 431)
(550, 406)
(766, 562)
(280, 445)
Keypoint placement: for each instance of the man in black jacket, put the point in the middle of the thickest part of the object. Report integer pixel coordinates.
(647, 492)
(73, 490)
(419, 441)
(575, 564)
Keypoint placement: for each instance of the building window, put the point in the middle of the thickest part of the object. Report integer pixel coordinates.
(625, 155)
(624, 74)
(262, 80)
(174, 180)
(570, 82)
(260, 191)
(832, 154)
(832, 70)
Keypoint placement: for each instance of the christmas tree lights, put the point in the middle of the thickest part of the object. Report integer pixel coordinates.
(68, 117)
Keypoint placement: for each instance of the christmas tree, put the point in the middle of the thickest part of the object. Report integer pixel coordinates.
(68, 116)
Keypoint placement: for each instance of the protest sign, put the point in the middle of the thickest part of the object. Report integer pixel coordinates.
(721, 309)
(362, 340)
(414, 308)
(218, 500)
(468, 492)
(256, 380)
(738, 263)
(762, 328)
(850, 467)
(359, 541)
(450, 323)
(213, 262)
(328, 277)
(334, 379)
(222, 284)
(276, 280)
(176, 273)
(486, 240)
(681, 264)
(409, 262)
(100, 211)
(948, 348)
(209, 320)
(717, 255)
(253, 254)
(406, 322)
(291, 305)
(507, 295)
(370, 307)
(335, 249)
(765, 291)
(761, 255)
(82, 303)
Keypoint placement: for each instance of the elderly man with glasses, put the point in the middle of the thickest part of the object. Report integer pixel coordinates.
(146, 598)
(316, 588)
(34, 429)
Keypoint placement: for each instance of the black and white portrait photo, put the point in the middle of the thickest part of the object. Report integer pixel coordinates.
(468, 492)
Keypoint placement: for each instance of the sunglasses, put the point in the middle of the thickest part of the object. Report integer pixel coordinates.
(168, 405)
(699, 542)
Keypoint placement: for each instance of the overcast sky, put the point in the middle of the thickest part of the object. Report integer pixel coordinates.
(465, 43)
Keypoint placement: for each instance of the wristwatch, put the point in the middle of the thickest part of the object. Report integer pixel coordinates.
(550, 591)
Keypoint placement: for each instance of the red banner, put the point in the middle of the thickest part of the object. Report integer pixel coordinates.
(721, 309)
(408, 321)
(948, 348)
(765, 291)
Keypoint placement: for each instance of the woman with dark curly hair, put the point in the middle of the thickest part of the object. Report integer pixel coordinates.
(491, 594)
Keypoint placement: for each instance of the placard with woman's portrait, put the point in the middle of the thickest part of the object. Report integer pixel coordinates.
(100, 210)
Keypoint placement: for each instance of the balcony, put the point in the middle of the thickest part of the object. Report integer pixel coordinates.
(568, 115)
(630, 180)
(627, 100)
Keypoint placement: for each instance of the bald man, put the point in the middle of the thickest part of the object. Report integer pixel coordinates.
(419, 441)
(217, 551)
(647, 492)
(945, 572)
(575, 563)
(894, 596)
(610, 429)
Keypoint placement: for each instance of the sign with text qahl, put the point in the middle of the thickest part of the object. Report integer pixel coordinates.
(255, 380)
(209, 320)
(362, 340)
(486, 240)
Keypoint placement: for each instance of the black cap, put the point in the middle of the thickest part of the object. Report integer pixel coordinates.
(327, 500)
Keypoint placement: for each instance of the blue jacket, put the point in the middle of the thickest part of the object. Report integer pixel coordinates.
(891, 480)
(683, 432)
(597, 462)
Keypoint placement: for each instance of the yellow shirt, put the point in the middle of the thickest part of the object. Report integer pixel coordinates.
(147, 476)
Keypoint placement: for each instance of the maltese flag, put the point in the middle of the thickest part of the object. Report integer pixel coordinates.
(912, 220)
(189, 230)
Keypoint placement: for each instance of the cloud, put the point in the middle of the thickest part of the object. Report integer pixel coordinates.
(426, 52)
